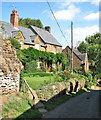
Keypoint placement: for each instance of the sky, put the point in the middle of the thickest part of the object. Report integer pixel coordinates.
(83, 13)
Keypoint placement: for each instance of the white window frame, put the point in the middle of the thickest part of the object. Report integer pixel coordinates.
(37, 46)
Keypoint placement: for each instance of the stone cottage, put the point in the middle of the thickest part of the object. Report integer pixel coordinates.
(35, 37)
(80, 61)
(40, 39)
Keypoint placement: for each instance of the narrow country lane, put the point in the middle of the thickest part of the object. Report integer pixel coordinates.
(85, 105)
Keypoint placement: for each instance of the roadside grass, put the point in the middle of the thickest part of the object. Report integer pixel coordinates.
(37, 81)
(18, 104)
(56, 101)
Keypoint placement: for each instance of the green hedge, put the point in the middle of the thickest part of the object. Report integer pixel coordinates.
(41, 74)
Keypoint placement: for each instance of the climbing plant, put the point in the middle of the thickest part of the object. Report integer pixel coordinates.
(30, 54)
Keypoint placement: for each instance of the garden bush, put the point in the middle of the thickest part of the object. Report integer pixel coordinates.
(31, 67)
(14, 42)
(41, 74)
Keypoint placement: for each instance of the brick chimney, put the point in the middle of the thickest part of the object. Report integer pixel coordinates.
(47, 28)
(14, 18)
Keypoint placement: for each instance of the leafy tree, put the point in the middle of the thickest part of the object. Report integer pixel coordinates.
(28, 21)
(82, 47)
(92, 46)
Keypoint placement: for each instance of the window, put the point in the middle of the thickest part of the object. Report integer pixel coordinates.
(37, 46)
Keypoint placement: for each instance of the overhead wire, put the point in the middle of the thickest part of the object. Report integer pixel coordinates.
(57, 21)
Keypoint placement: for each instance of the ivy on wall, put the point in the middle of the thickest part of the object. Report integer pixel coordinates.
(27, 55)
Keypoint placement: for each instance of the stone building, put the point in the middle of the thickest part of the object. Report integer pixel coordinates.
(80, 61)
(35, 37)
(40, 39)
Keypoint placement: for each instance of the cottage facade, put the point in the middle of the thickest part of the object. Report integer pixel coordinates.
(35, 37)
(80, 61)
(40, 39)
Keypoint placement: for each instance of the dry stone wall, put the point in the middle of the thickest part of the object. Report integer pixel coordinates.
(59, 88)
(10, 67)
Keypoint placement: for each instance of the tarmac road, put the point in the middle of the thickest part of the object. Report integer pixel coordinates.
(85, 105)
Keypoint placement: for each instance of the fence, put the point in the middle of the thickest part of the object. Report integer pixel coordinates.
(25, 83)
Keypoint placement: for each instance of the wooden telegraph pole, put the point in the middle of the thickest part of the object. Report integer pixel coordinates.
(72, 46)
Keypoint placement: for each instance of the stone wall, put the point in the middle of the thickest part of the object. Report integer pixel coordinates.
(10, 67)
(76, 61)
(59, 88)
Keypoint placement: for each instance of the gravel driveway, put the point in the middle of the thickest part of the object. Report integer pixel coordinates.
(85, 105)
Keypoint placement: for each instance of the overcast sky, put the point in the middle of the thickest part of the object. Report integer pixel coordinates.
(85, 16)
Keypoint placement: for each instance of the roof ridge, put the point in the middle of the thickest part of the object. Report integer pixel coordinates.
(46, 35)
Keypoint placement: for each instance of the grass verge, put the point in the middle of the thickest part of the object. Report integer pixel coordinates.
(37, 81)
(19, 106)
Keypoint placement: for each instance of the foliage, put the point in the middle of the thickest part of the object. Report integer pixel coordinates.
(67, 65)
(28, 21)
(93, 48)
(42, 66)
(14, 42)
(79, 71)
(89, 79)
(30, 54)
(94, 81)
(62, 76)
(88, 76)
(82, 47)
(41, 74)
(57, 67)
(31, 67)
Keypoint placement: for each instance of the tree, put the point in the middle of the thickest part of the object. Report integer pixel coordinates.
(28, 21)
(92, 46)
(82, 47)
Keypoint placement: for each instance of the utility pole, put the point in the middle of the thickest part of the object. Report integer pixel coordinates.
(72, 46)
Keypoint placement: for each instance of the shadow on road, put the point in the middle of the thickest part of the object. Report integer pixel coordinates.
(51, 103)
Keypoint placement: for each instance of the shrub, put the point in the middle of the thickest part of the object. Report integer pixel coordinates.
(78, 71)
(41, 74)
(31, 67)
(64, 75)
(95, 81)
(42, 66)
(14, 43)
(89, 79)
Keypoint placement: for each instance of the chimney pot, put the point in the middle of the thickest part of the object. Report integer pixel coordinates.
(47, 28)
(14, 18)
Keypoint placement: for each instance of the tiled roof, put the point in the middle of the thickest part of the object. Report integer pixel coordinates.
(80, 55)
(12, 32)
(45, 36)
(30, 34)
(33, 37)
